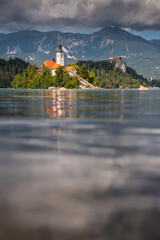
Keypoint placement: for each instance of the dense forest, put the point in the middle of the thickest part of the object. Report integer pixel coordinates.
(109, 77)
(9, 69)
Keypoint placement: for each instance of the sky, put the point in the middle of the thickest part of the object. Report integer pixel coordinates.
(141, 17)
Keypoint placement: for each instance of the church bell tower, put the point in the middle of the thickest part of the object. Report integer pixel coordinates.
(60, 54)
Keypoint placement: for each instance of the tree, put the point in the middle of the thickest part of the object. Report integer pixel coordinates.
(92, 79)
(29, 78)
(83, 72)
(72, 83)
(63, 79)
(59, 76)
(17, 82)
(8, 70)
(66, 79)
(46, 80)
(35, 82)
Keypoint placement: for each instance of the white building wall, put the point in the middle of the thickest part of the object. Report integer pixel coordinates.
(53, 72)
(72, 72)
(60, 58)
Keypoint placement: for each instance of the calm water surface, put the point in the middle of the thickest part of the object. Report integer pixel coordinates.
(79, 164)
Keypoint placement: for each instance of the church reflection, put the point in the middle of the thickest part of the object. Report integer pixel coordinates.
(60, 104)
(100, 104)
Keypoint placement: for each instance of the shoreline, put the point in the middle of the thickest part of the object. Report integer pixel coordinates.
(65, 89)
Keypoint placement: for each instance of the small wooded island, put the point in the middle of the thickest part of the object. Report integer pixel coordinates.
(112, 73)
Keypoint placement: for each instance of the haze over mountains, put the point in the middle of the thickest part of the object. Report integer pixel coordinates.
(36, 47)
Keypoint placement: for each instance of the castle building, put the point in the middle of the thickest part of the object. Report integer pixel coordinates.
(119, 63)
(60, 55)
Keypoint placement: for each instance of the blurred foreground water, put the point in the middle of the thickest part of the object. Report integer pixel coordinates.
(79, 164)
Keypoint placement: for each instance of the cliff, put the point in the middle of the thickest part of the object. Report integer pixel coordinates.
(119, 63)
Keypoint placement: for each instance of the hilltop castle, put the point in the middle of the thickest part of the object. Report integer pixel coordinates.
(119, 63)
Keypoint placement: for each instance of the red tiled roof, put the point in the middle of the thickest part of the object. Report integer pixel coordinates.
(55, 66)
(68, 69)
(114, 57)
(48, 63)
(39, 70)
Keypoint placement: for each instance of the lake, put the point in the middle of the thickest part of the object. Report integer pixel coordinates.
(79, 164)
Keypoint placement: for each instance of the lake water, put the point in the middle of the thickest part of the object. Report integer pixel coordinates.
(79, 164)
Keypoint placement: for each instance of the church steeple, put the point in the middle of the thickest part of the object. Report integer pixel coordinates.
(60, 46)
(60, 54)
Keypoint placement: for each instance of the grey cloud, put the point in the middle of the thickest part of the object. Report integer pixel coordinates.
(37, 14)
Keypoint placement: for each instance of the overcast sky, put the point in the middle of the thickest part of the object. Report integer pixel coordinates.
(82, 15)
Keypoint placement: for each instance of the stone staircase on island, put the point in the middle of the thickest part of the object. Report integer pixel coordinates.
(84, 84)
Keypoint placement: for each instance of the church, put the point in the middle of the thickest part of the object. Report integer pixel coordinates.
(54, 65)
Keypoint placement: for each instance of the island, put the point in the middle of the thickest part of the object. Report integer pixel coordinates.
(53, 74)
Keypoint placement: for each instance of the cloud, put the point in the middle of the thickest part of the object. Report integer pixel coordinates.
(62, 14)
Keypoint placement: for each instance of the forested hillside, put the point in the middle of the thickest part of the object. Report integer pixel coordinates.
(8, 70)
(109, 77)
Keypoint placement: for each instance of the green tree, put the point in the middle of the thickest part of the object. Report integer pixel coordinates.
(8, 70)
(17, 82)
(66, 79)
(72, 83)
(46, 80)
(83, 72)
(35, 82)
(59, 76)
(93, 79)
(29, 78)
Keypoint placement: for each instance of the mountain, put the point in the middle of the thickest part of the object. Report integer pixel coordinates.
(156, 43)
(36, 47)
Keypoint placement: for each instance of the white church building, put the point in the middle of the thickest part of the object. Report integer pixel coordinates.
(53, 65)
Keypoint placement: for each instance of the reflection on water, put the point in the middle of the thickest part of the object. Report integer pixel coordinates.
(79, 164)
(59, 104)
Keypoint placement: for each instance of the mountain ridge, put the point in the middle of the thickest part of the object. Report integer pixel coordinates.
(36, 46)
